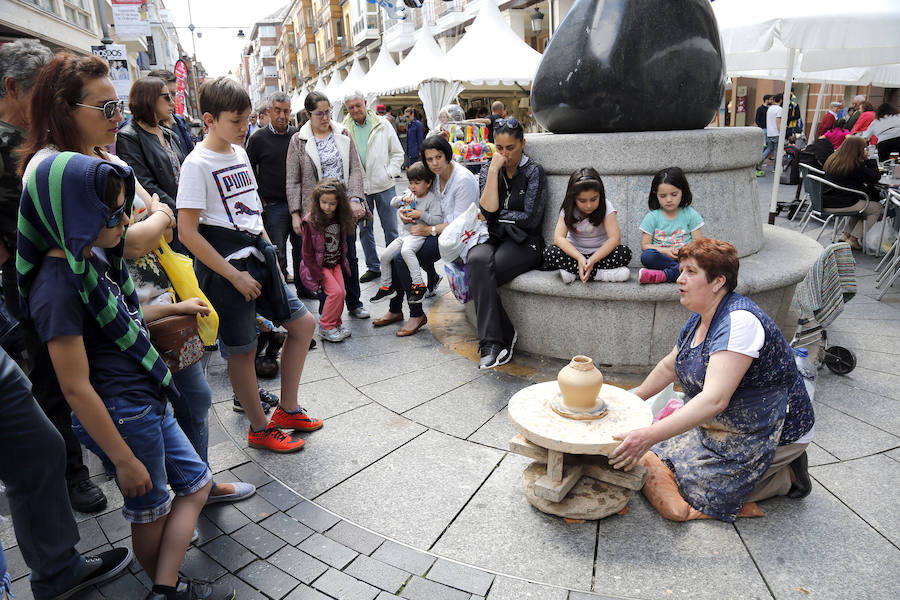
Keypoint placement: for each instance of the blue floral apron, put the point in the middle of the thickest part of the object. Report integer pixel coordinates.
(720, 462)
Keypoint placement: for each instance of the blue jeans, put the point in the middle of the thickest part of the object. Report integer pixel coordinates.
(33, 467)
(351, 280)
(156, 440)
(277, 221)
(654, 259)
(192, 408)
(388, 217)
(771, 146)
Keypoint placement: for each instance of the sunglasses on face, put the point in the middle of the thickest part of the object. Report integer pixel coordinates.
(115, 217)
(167, 96)
(109, 108)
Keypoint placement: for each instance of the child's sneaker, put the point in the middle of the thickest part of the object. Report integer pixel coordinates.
(272, 438)
(417, 293)
(345, 331)
(333, 335)
(566, 276)
(652, 276)
(620, 274)
(383, 293)
(298, 420)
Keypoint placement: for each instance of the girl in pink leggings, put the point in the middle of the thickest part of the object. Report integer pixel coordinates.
(325, 231)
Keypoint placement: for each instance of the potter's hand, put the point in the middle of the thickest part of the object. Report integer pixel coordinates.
(627, 454)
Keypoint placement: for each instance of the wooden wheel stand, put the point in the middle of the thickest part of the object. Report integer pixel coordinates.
(571, 476)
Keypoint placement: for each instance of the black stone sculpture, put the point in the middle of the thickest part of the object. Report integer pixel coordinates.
(631, 65)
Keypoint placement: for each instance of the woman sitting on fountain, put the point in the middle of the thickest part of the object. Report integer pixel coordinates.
(743, 434)
(513, 195)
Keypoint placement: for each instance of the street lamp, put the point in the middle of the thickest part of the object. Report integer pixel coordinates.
(537, 20)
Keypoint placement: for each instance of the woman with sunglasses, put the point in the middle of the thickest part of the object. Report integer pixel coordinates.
(323, 148)
(74, 108)
(513, 196)
(151, 150)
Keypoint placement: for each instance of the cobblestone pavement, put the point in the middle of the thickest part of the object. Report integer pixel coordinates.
(409, 491)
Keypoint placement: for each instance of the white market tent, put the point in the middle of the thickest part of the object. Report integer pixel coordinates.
(351, 83)
(333, 86)
(380, 71)
(814, 35)
(424, 61)
(297, 100)
(471, 60)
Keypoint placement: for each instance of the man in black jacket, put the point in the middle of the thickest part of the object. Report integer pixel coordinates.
(761, 111)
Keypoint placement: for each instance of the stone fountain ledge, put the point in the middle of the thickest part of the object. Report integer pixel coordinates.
(638, 324)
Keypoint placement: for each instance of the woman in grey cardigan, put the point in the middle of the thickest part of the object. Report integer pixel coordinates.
(323, 148)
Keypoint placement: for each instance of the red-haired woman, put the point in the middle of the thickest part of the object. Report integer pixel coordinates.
(744, 430)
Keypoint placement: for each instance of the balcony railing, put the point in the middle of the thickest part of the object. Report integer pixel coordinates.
(365, 28)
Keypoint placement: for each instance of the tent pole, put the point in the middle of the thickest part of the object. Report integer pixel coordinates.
(786, 103)
(815, 121)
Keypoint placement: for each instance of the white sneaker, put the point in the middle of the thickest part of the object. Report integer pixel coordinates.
(566, 276)
(345, 331)
(620, 274)
(333, 335)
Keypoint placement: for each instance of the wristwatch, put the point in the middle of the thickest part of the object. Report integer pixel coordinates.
(434, 230)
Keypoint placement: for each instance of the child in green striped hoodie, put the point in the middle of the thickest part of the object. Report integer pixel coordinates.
(76, 289)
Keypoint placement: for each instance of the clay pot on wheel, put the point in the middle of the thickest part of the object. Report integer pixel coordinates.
(580, 382)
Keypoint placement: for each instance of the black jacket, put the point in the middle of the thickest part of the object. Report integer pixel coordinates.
(522, 201)
(864, 173)
(143, 153)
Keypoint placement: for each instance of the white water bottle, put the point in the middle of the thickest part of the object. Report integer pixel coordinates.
(807, 370)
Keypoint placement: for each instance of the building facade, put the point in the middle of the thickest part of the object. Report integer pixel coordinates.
(263, 69)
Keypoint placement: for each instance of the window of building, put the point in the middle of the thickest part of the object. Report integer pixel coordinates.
(48, 5)
(339, 27)
(77, 14)
(151, 50)
(267, 31)
(309, 16)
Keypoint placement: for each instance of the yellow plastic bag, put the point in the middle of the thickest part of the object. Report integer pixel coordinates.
(180, 270)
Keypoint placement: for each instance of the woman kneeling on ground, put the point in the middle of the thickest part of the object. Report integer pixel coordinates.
(742, 435)
(513, 196)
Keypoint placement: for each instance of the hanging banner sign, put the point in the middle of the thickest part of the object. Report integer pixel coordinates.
(181, 77)
(117, 57)
(131, 18)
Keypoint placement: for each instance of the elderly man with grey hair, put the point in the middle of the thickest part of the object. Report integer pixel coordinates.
(855, 110)
(267, 150)
(382, 156)
(829, 119)
(36, 459)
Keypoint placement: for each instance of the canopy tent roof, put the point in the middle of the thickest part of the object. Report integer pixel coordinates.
(380, 71)
(331, 90)
(830, 34)
(881, 76)
(469, 62)
(812, 35)
(351, 83)
(297, 100)
(424, 61)
(319, 85)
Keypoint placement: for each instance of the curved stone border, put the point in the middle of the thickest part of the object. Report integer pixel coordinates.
(560, 320)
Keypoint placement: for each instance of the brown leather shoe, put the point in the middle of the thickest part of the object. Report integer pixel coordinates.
(387, 319)
(408, 332)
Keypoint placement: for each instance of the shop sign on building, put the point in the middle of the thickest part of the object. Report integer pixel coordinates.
(181, 76)
(132, 19)
(117, 57)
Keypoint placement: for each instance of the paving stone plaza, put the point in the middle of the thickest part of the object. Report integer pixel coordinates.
(410, 491)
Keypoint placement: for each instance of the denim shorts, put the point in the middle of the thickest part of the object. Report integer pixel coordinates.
(237, 317)
(158, 442)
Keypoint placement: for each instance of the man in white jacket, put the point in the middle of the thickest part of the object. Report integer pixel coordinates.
(382, 156)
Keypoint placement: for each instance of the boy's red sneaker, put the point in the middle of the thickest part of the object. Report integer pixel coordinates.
(652, 276)
(272, 438)
(298, 420)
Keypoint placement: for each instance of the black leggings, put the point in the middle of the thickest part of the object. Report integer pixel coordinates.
(555, 258)
(491, 265)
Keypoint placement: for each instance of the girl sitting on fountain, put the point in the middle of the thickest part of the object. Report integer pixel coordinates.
(586, 240)
(670, 224)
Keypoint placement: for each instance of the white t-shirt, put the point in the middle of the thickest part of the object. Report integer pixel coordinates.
(223, 187)
(585, 236)
(773, 113)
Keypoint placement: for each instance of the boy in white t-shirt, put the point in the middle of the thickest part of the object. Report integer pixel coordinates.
(220, 222)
